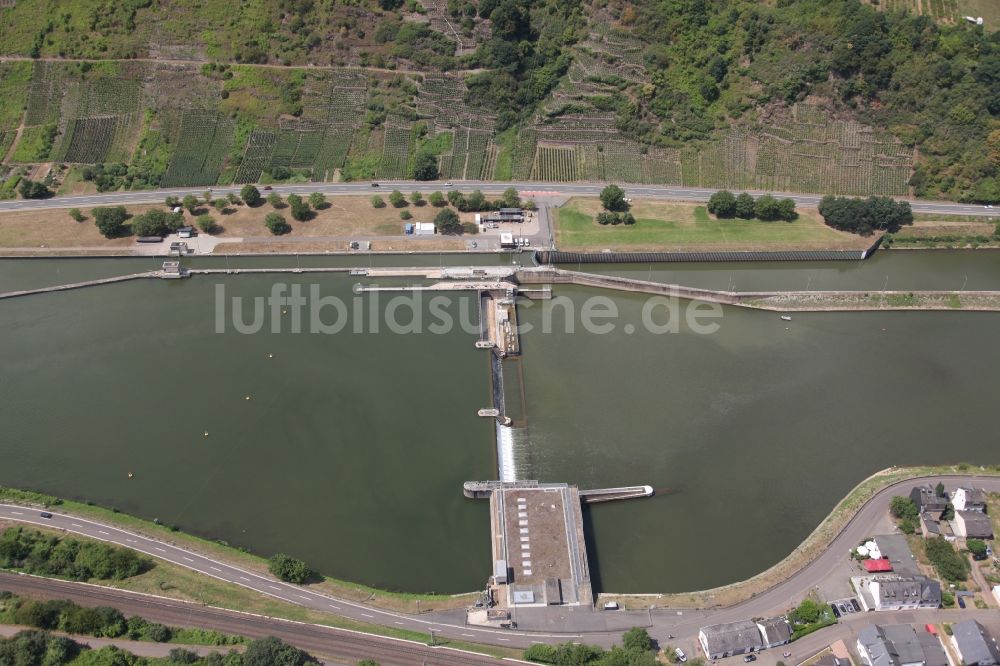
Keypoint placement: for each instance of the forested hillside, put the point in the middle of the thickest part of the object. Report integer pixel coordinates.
(832, 96)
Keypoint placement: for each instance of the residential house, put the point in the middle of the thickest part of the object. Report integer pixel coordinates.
(725, 640)
(972, 524)
(928, 501)
(974, 645)
(901, 592)
(774, 631)
(969, 499)
(899, 645)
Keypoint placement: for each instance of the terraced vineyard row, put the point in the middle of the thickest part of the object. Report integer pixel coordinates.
(332, 152)
(201, 149)
(396, 151)
(256, 156)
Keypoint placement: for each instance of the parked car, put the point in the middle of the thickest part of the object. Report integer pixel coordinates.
(836, 611)
(45, 514)
(679, 653)
(857, 606)
(748, 658)
(611, 605)
(961, 602)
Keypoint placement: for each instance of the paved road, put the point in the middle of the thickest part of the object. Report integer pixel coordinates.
(550, 625)
(295, 594)
(527, 190)
(324, 642)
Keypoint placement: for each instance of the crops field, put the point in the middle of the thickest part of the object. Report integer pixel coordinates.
(201, 149)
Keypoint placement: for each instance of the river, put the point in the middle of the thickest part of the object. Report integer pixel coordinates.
(352, 449)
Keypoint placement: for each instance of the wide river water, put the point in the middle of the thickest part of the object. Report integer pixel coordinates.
(353, 447)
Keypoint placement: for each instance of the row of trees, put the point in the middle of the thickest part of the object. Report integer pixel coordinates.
(34, 647)
(864, 216)
(725, 204)
(605, 218)
(45, 555)
(637, 649)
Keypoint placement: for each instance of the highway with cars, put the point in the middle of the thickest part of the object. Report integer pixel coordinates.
(527, 189)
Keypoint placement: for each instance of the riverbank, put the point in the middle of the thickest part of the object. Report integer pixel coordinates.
(384, 599)
(816, 543)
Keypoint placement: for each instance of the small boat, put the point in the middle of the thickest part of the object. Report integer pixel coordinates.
(785, 318)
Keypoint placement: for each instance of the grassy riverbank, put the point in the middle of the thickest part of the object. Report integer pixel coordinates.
(809, 550)
(676, 226)
(397, 601)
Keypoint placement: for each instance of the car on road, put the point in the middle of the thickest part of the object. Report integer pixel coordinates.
(268, 188)
(447, 184)
(374, 184)
(45, 514)
(748, 658)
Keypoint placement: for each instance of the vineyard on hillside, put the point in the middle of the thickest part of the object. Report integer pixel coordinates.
(198, 124)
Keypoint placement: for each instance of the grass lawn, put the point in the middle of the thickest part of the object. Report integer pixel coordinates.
(667, 225)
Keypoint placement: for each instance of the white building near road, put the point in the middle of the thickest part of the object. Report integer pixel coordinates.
(883, 593)
(969, 499)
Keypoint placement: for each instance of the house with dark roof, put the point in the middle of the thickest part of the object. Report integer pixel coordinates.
(969, 499)
(900, 592)
(972, 524)
(928, 501)
(974, 645)
(899, 645)
(725, 640)
(774, 631)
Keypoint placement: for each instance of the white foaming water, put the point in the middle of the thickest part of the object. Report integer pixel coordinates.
(505, 453)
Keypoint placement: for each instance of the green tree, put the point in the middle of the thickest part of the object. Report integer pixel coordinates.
(275, 200)
(510, 198)
(151, 223)
(276, 224)
(766, 208)
(31, 189)
(251, 195)
(405, 214)
(745, 207)
(425, 166)
(206, 223)
(447, 222)
(613, 198)
(317, 200)
(397, 199)
(722, 204)
(220, 204)
(977, 547)
(110, 221)
(299, 208)
(939, 490)
(903, 507)
(273, 652)
(378, 202)
(172, 202)
(456, 199)
(416, 198)
(949, 564)
(530, 204)
(476, 202)
(436, 199)
(637, 639)
(289, 569)
(77, 215)
(190, 202)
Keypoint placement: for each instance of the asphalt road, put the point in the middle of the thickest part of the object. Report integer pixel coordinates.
(572, 625)
(527, 190)
(295, 594)
(339, 645)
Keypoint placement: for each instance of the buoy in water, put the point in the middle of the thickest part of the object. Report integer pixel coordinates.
(248, 397)
(206, 433)
(270, 355)
(283, 311)
(130, 475)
